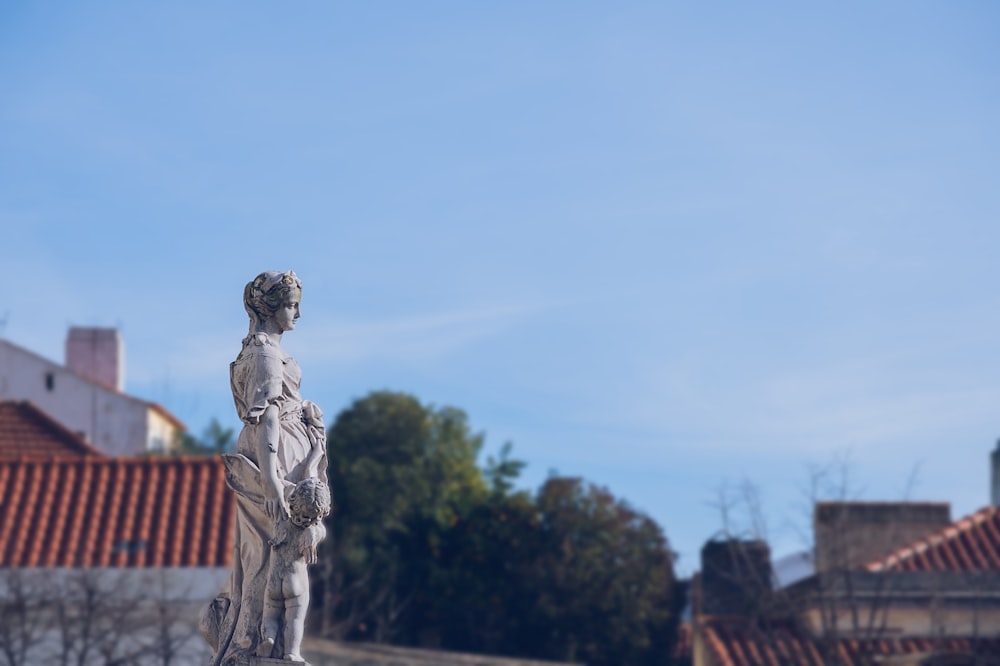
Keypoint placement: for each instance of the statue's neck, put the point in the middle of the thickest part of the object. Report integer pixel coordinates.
(271, 329)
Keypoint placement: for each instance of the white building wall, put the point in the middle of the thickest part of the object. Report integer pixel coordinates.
(114, 423)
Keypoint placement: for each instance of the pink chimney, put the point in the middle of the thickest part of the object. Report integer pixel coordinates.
(97, 354)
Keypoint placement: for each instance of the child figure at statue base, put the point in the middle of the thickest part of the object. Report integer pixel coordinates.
(293, 548)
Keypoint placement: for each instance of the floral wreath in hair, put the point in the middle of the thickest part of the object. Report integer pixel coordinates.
(265, 282)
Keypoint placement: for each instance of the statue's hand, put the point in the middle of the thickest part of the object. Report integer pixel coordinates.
(275, 504)
(317, 437)
(312, 416)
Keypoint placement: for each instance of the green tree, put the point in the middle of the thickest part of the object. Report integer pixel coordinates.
(214, 439)
(572, 574)
(605, 584)
(502, 472)
(402, 474)
(427, 549)
(483, 592)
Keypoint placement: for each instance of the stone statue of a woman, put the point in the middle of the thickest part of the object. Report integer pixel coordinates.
(282, 443)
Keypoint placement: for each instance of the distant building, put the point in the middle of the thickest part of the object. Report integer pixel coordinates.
(849, 534)
(115, 556)
(895, 583)
(85, 395)
(933, 602)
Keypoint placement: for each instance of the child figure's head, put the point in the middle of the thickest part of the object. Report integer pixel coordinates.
(309, 502)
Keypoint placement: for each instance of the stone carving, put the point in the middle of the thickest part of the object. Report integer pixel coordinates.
(286, 596)
(278, 473)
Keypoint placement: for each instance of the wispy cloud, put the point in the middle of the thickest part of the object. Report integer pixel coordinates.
(889, 399)
(417, 338)
(356, 340)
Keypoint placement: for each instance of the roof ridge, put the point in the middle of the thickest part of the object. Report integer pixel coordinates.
(24, 422)
(935, 538)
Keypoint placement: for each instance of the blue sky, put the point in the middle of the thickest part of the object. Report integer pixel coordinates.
(666, 246)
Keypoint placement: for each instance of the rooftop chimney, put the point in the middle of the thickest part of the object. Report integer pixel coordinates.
(850, 534)
(995, 476)
(736, 577)
(97, 354)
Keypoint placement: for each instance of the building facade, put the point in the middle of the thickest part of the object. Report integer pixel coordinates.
(85, 395)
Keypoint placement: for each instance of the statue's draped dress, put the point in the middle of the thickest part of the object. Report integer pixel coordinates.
(261, 375)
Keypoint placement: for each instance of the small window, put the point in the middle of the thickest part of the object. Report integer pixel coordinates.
(50, 381)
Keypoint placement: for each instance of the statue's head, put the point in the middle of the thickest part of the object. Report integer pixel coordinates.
(269, 291)
(309, 502)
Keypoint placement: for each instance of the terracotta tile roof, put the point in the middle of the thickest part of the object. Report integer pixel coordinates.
(115, 512)
(969, 544)
(28, 432)
(741, 644)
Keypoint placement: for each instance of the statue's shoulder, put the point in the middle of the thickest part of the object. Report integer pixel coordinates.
(258, 340)
(259, 344)
(258, 348)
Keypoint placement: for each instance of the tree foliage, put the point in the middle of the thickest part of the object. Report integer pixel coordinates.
(428, 549)
(215, 439)
(605, 577)
(402, 474)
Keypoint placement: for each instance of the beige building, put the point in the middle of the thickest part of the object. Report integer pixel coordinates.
(879, 594)
(888, 583)
(86, 394)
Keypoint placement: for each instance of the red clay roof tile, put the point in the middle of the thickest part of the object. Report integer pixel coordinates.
(28, 432)
(115, 512)
(969, 544)
(744, 644)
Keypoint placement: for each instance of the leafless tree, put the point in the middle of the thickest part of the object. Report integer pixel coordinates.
(170, 633)
(23, 600)
(847, 599)
(95, 618)
(84, 617)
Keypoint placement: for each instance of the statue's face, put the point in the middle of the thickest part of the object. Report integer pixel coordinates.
(301, 520)
(288, 313)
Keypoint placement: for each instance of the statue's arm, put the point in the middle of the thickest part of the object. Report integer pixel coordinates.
(312, 416)
(317, 453)
(275, 504)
